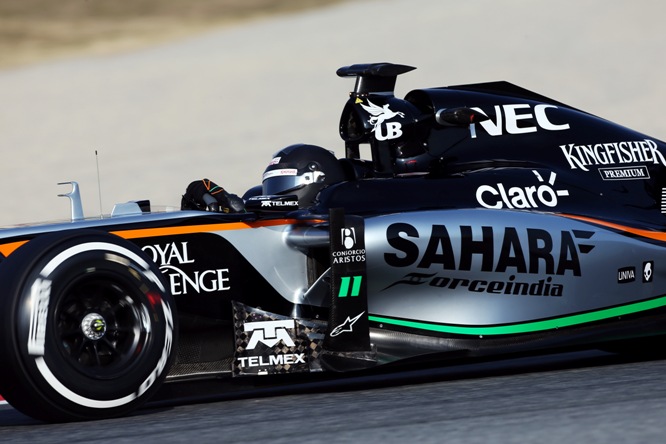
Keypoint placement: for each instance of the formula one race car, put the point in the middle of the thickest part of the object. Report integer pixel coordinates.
(482, 220)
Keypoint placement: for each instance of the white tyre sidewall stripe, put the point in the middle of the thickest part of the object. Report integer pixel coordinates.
(43, 367)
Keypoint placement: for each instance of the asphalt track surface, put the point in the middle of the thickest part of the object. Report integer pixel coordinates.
(584, 397)
(218, 105)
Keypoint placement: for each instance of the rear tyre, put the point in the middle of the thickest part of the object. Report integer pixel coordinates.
(88, 327)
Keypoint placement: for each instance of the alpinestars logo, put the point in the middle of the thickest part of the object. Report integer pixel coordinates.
(269, 333)
(347, 326)
(379, 116)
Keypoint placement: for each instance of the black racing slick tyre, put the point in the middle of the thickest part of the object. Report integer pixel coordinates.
(88, 327)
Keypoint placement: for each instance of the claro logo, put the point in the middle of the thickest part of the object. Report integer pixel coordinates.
(535, 196)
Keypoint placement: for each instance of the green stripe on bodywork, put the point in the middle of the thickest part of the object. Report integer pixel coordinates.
(528, 327)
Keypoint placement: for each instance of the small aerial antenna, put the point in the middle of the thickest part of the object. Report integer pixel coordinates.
(99, 186)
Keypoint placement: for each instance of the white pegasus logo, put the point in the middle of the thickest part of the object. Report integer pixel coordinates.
(380, 114)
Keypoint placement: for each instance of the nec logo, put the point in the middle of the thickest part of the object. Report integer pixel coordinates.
(517, 119)
(269, 333)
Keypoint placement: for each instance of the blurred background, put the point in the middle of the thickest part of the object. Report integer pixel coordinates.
(170, 91)
(36, 30)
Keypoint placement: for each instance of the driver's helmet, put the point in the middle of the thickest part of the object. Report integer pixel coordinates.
(302, 170)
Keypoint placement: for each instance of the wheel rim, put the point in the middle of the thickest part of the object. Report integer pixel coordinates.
(100, 327)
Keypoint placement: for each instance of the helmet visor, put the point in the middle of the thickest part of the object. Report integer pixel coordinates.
(280, 181)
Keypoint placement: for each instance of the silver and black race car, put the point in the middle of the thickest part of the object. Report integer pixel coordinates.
(464, 222)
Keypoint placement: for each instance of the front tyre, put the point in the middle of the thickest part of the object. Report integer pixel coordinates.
(89, 327)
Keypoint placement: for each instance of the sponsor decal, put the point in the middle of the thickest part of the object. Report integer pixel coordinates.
(498, 196)
(626, 275)
(271, 334)
(171, 258)
(613, 153)
(663, 201)
(517, 119)
(380, 115)
(350, 286)
(529, 250)
(271, 360)
(348, 237)
(279, 203)
(280, 173)
(349, 254)
(347, 326)
(268, 343)
(625, 173)
(346, 257)
(648, 271)
(542, 287)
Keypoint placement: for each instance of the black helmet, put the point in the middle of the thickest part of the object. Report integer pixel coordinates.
(302, 170)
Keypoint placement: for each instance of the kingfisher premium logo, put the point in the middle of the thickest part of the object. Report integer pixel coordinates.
(610, 157)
